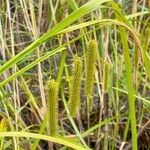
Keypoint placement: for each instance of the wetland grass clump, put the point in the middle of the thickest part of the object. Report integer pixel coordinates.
(52, 100)
(75, 87)
(37, 40)
(90, 70)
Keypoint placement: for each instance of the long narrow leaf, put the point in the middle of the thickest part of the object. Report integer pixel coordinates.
(42, 137)
(83, 10)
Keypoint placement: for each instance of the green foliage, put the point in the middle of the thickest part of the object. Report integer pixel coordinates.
(38, 36)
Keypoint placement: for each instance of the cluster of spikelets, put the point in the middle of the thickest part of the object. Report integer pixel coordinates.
(106, 77)
(90, 70)
(52, 100)
(74, 88)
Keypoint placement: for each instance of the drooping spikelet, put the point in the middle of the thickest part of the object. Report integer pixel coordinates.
(52, 99)
(90, 69)
(75, 87)
(106, 76)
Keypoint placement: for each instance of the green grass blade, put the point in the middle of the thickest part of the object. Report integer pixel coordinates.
(51, 53)
(83, 10)
(100, 124)
(42, 137)
(131, 97)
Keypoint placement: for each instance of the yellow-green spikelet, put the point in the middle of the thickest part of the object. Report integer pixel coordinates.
(75, 87)
(90, 69)
(106, 76)
(53, 106)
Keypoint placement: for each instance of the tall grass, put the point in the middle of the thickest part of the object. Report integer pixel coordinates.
(40, 39)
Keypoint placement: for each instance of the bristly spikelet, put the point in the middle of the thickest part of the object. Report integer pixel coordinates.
(90, 69)
(75, 87)
(52, 91)
(106, 77)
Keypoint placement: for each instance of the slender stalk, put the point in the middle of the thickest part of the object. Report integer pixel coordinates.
(131, 98)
